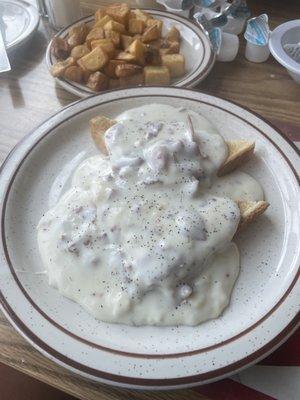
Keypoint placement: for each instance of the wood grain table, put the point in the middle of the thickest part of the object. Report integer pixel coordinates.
(28, 95)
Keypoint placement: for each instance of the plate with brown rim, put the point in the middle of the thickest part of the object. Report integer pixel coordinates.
(264, 307)
(195, 46)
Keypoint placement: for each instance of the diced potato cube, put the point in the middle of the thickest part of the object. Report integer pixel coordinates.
(173, 35)
(74, 73)
(85, 74)
(130, 58)
(124, 70)
(115, 26)
(80, 51)
(97, 81)
(157, 22)
(138, 49)
(126, 41)
(106, 45)
(156, 75)
(58, 69)
(77, 35)
(81, 29)
(99, 125)
(152, 55)
(93, 61)
(150, 34)
(114, 36)
(157, 43)
(138, 14)
(110, 68)
(101, 22)
(136, 26)
(118, 12)
(114, 84)
(173, 48)
(97, 33)
(99, 14)
(134, 80)
(175, 63)
(137, 36)
(60, 48)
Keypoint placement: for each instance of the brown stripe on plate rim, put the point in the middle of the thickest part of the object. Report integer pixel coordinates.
(113, 378)
(137, 355)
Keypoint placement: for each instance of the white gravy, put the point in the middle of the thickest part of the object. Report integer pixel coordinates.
(143, 236)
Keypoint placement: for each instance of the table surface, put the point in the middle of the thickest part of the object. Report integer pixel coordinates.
(28, 95)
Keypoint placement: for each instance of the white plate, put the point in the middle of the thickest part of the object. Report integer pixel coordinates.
(195, 46)
(265, 301)
(20, 20)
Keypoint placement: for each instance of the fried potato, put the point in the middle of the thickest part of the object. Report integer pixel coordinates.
(119, 12)
(175, 63)
(110, 68)
(156, 75)
(173, 35)
(114, 26)
(113, 84)
(95, 34)
(99, 14)
(99, 125)
(80, 51)
(150, 34)
(98, 81)
(127, 57)
(124, 70)
(126, 41)
(60, 48)
(136, 26)
(77, 35)
(106, 45)
(74, 73)
(138, 14)
(173, 48)
(152, 55)
(93, 61)
(120, 44)
(137, 49)
(157, 22)
(101, 22)
(134, 80)
(114, 36)
(85, 74)
(58, 69)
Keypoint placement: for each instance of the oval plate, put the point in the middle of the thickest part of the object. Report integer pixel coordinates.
(265, 302)
(195, 46)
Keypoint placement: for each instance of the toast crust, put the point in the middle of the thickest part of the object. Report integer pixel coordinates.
(239, 151)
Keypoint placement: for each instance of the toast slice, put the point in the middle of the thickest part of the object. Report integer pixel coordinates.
(250, 210)
(239, 151)
(99, 126)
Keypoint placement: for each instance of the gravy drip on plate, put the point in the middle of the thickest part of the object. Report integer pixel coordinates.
(143, 236)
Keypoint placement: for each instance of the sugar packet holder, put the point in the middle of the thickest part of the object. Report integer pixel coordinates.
(257, 36)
